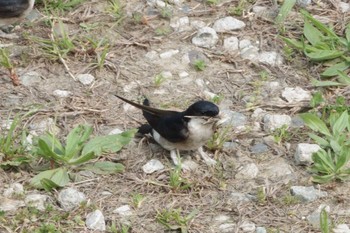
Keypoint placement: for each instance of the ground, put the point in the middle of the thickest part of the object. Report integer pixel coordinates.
(131, 71)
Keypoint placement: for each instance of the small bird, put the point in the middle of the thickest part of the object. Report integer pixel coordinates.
(176, 131)
(11, 11)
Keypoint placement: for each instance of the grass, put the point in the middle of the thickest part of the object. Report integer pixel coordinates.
(199, 65)
(173, 220)
(176, 181)
(6, 62)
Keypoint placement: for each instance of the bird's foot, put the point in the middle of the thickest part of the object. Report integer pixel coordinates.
(186, 165)
(209, 161)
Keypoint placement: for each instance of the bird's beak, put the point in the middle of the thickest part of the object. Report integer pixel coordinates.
(221, 119)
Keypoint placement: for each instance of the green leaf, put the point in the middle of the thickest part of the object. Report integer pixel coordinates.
(347, 32)
(75, 140)
(82, 159)
(343, 158)
(323, 28)
(322, 179)
(59, 176)
(47, 152)
(315, 123)
(324, 221)
(284, 11)
(335, 146)
(333, 70)
(48, 185)
(312, 34)
(341, 123)
(299, 45)
(53, 143)
(105, 167)
(322, 142)
(323, 55)
(109, 143)
(343, 78)
(318, 83)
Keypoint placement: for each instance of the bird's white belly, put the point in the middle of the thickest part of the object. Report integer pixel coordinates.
(199, 134)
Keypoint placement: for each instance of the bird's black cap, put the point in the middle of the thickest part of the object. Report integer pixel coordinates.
(202, 108)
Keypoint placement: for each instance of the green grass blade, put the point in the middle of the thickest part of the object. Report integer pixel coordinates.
(284, 11)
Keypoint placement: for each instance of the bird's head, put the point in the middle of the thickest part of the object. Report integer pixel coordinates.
(202, 108)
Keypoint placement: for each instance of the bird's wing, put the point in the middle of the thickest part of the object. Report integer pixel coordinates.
(171, 125)
(13, 8)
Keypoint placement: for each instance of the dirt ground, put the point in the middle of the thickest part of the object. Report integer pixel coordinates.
(129, 71)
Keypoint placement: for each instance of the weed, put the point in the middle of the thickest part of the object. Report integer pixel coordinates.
(290, 200)
(284, 11)
(60, 5)
(217, 98)
(211, 2)
(162, 30)
(323, 45)
(330, 162)
(173, 220)
(137, 199)
(325, 221)
(218, 139)
(6, 62)
(78, 150)
(116, 9)
(166, 12)
(159, 79)
(281, 134)
(123, 229)
(176, 181)
(261, 195)
(199, 65)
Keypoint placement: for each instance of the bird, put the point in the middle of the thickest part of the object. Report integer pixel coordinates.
(12, 11)
(181, 130)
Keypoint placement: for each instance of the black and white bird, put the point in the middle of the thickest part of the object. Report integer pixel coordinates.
(12, 11)
(176, 131)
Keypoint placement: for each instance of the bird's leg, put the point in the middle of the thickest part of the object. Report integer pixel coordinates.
(209, 161)
(175, 156)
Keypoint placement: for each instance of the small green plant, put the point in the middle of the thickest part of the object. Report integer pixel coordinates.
(176, 181)
(217, 98)
(321, 44)
(325, 221)
(123, 229)
(162, 30)
(159, 79)
(218, 139)
(281, 134)
(199, 65)
(116, 9)
(290, 200)
(13, 145)
(173, 220)
(166, 12)
(211, 2)
(137, 199)
(77, 151)
(60, 5)
(6, 62)
(284, 11)
(261, 195)
(330, 162)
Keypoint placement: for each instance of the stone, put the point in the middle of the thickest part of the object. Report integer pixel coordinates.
(250, 53)
(62, 93)
(10, 205)
(303, 3)
(314, 217)
(30, 78)
(14, 189)
(304, 151)
(85, 79)
(123, 211)
(247, 226)
(344, 7)
(341, 228)
(259, 148)
(206, 37)
(245, 43)
(277, 170)
(152, 166)
(70, 198)
(307, 194)
(183, 74)
(227, 227)
(296, 95)
(270, 58)
(248, 171)
(228, 24)
(169, 53)
(197, 24)
(231, 44)
(189, 165)
(260, 230)
(167, 74)
(180, 24)
(230, 145)
(273, 122)
(36, 200)
(258, 113)
(151, 55)
(236, 198)
(115, 131)
(231, 118)
(96, 221)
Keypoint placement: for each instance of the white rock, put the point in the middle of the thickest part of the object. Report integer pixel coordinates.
(189, 165)
(180, 24)
(167, 74)
(228, 24)
(169, 53)
(70, 198)
(296, 94)
(222, 218)
(250, 53)
(30, 78)
(62, 93)
(270, 58)
(85, 79)
(259, 9)
(115, 131)
(245, 43)
(183, 74)
(314, 217)
(258, 113)
(151, 55)
(273, 122)
(152, 166)
(303, 3)
(341, 228)
(200, 82)
(261, 230)
(6, 124)
(307, 194)
(9, 205)
(277, 170)
(344, 7)
(206, 37)
(96, 221)
(130, 87)
(247, 226)
(227, 227)
(231, 44)
(304, 151)
(36, 200)
(197, 24)
(248, 171)
(14, 189)
(124, 211)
